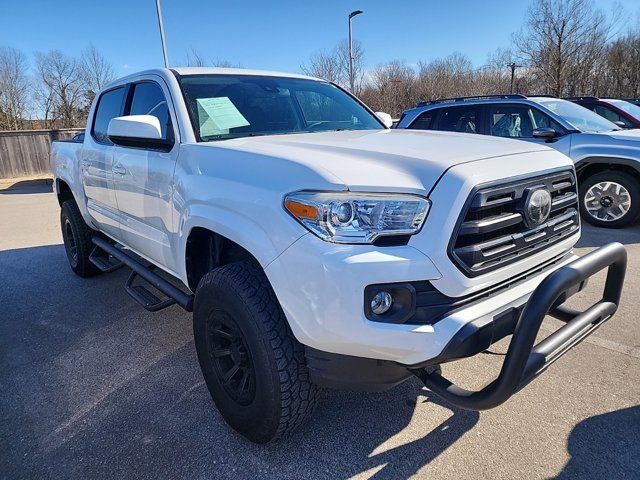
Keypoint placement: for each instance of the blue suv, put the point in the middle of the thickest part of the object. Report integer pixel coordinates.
(607, 158)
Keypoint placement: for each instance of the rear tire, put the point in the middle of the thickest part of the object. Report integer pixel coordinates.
(77, 240)
(253, 366)
(610, 199)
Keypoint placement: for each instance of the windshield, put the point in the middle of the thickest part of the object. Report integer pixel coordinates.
(579, 117)
(233, 106)
(628, 107)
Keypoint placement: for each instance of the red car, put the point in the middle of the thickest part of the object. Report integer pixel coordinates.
(623, 113)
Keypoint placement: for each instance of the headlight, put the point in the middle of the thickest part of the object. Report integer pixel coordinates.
(357, 218)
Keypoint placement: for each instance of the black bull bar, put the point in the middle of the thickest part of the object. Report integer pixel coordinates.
(524, 361)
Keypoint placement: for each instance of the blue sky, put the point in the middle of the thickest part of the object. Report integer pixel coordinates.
(273, 35)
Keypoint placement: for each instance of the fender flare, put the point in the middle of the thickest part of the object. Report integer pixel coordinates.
(586, 162)
(243, 230)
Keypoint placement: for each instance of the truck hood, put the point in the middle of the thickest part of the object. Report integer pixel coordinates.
(392, 160)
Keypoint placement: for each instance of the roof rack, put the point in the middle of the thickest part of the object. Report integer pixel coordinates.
(538, 95)
(464, 99)
(573, 99)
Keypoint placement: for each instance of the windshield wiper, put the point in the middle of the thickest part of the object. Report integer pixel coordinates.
(231, 136)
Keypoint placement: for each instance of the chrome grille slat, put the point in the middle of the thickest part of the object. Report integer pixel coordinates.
(490, 224)
(493, 232)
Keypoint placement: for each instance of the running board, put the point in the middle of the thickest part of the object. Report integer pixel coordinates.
(140, 293)
(104, 261)
(146, 297)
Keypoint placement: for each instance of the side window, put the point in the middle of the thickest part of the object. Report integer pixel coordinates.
(512, 121)
(426, 121)
(148, 99)
(610, 115)
(109, 106)
(542, 120)
(460, 119)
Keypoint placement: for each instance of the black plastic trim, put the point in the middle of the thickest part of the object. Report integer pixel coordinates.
(346, 372)
(431, 305)
(523, 179)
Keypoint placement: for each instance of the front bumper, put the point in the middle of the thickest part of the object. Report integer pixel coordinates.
(524, 361)
(320, 287)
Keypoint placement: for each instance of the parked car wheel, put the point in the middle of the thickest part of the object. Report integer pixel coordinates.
(253, 366)
(610, 199)
(76, 235)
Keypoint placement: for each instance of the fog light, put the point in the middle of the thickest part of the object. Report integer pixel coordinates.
(381, 303)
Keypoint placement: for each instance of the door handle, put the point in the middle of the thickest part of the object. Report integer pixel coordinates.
(119, 170)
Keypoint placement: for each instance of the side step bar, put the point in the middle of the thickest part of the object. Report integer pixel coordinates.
(140, 293)
(105, 262)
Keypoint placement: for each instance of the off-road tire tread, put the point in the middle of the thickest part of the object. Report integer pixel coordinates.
(83, 234)
(298, 394)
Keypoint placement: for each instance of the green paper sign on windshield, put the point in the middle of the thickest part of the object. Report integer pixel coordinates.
(217, 115)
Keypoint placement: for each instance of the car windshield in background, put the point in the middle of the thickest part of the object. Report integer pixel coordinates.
(630, 108)
(581, 118)
(233, 106)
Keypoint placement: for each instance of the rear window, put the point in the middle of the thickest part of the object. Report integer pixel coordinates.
(460, 119)
(425, 121)
(109, 106)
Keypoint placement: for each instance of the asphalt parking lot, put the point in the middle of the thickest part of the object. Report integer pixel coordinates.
(91, 385)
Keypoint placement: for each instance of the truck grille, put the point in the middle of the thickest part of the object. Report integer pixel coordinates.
(495, 229)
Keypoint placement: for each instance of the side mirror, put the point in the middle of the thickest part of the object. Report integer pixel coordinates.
(385, 118)
(141, 131)
(545, 133)
(621, 124)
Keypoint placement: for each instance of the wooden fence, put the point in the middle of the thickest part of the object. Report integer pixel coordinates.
(26, 152)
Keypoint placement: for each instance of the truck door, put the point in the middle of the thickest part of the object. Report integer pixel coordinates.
(96, 163)
(144, 177)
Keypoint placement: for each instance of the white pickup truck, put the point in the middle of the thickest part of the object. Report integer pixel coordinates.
(318, 248)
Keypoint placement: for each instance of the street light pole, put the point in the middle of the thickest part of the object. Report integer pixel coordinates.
(164, 43)
(351, 77)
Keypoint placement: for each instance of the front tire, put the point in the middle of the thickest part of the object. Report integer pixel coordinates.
(254, 368)
(77, 240)
(610, 199)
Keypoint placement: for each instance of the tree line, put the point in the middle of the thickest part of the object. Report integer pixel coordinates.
(58, 93)
(563, 48)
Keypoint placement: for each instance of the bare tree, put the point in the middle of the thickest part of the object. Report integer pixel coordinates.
(14, 88)
(333, 65)
(390, 87)
(196, 59)
(95, 70)
(323, 65)
(562, 40)
(62, 80)
(342, 54)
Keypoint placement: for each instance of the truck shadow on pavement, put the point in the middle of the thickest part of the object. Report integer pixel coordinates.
(605, 446)
(26, 187)
(94, 386)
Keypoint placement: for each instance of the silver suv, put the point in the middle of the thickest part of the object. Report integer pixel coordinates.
(607, 158)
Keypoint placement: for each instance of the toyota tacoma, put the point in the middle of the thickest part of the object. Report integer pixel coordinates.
(317, 247)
